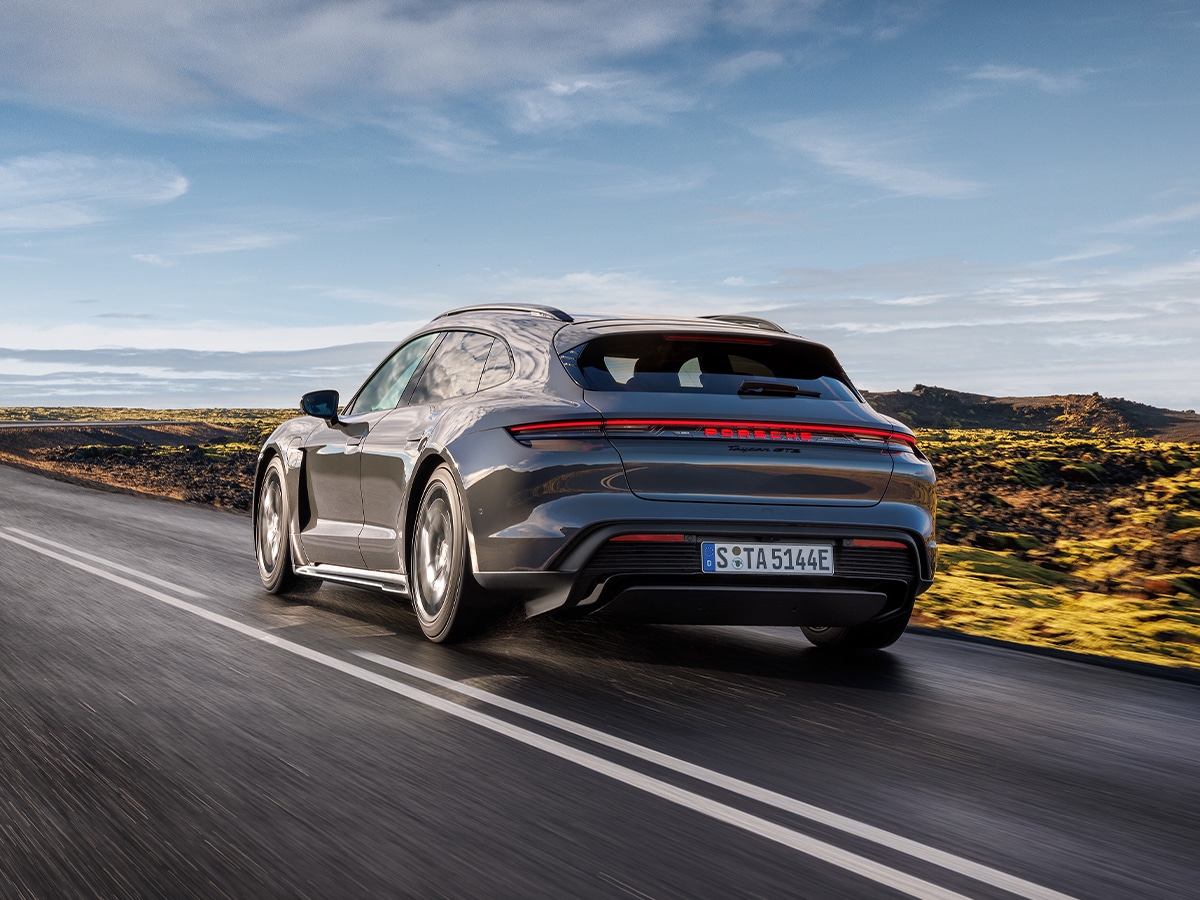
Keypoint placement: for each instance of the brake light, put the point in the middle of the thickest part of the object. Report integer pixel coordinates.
(904, 443)
(719, 338)
(575, 428)
(744, 431)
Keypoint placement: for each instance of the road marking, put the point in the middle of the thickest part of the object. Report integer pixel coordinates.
(915, 849)
(136, 573)
(822, 850)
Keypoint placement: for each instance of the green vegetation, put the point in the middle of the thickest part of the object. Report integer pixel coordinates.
(255, 424)
(1082, 542)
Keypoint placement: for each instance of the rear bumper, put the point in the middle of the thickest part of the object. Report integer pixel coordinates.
(664, 583)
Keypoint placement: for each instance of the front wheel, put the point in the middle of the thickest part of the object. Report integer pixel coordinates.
(272, 542)
(868, 636)
(448, 601)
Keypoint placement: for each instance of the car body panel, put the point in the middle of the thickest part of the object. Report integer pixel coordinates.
(786, 465)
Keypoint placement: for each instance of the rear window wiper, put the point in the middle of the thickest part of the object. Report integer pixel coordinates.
(773, 389)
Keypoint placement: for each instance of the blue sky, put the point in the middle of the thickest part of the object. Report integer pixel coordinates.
(228, 202)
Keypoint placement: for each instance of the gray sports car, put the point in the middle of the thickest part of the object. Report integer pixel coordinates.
(711, 470)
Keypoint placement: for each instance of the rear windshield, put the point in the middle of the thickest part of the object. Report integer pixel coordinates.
(708, 364)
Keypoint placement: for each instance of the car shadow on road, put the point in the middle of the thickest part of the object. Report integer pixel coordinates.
(572, 648)
(767, 653)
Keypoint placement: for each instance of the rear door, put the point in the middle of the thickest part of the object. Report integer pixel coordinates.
(711, 418)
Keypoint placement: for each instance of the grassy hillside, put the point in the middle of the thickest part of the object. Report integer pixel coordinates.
(934, 407)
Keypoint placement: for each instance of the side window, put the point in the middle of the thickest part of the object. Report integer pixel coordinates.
(740, 365)
(384, 389)
(455, 368)
(499, 366)
(689, 374)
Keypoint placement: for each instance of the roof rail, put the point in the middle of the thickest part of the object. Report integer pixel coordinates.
(533, 309)
(749, 321)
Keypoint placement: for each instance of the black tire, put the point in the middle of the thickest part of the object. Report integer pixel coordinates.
(272, 536)
(868, 636)
(448, 601)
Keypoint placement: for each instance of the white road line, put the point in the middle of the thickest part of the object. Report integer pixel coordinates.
(178, 588)
(834, 855)
(915, 849)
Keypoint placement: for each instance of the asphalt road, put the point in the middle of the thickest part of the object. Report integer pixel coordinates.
(167, 729)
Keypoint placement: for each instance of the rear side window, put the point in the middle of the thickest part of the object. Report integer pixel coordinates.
(499, 368)
(708, 364)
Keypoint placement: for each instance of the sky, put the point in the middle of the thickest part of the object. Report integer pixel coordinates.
(230, 202)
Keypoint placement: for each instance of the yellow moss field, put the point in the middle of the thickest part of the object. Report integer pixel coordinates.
(993, 594)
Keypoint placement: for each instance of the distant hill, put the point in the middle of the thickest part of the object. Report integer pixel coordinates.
(934, 407)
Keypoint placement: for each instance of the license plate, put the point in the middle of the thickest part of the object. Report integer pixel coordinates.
(767, 559)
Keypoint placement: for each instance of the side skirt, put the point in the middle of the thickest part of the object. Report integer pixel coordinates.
(387, 581)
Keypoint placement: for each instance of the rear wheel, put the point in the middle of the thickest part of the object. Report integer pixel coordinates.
(448, 601)
(868, 636)
(272, 540)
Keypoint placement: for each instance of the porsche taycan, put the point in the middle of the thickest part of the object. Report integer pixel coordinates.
(713, 470)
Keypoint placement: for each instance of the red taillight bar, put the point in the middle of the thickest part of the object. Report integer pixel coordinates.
(518, 431)
(871, 542)
(715, 428)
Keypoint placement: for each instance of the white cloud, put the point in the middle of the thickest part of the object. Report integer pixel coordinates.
(232, 242)
(182, 378)
(198, 336)
(771, 15)
(976, 321)
(235, 129)
(143, 57)
(916, 300)
(1106, 339)
(153, 60)
(1189, 212)
(870, 159)
(153, 259)
(607, 97)
(439, 140)
(1096, 251)
(66, 190)
(736, 68)
(653, 185)
(607, 292)
(1018, 75)
(1015, 330)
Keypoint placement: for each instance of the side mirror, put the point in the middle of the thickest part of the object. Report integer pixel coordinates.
(322, 404)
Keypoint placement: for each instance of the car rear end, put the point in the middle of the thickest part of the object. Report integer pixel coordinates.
(761, 488)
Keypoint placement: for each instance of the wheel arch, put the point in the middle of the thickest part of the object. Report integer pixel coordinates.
(422, 471)
(295, 487)
(260, 472)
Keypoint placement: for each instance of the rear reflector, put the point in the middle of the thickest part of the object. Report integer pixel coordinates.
(888, 545)
(650, 538)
